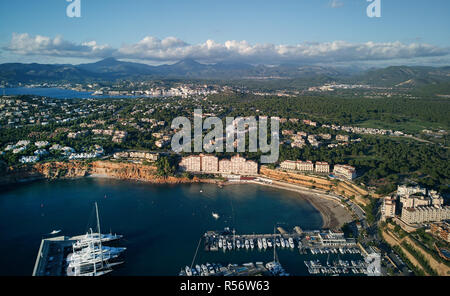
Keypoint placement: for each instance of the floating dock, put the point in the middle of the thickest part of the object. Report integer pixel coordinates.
(316, 241)
(52, 253)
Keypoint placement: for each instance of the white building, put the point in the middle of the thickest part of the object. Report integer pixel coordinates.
(345, 171)
(29, 159)
(322, 167)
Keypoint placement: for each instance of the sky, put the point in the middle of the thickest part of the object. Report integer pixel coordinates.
(209, 31)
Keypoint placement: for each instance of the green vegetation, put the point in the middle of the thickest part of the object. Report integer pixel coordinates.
(415, 269)
(342, 110)
(371, 211)
(166, 166)
(419, 256)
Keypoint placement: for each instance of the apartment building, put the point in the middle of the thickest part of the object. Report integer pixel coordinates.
(425, 214)
(345, 171)
(191, 163)
(322, 167)
(305, 166)
(288, 165)
(210, 164)
(388, 208)
(238, 165)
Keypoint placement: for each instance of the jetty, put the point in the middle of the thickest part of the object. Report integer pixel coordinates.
(52, 253)
(316, 241)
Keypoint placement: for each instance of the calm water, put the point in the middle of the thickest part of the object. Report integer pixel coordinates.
(58, 93)
(161, 224)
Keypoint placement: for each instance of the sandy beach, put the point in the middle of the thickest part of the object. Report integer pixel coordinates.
(334, 214)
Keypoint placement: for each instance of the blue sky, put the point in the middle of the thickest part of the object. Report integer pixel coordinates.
(119, 29)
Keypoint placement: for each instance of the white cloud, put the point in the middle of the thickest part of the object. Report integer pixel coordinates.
(153, 49)
(170, 49)
(24, 44)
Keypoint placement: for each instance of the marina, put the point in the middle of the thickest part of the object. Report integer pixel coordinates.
(83, 255)
(246, 269)
(316, 242)
(153, 214)
(336, 267)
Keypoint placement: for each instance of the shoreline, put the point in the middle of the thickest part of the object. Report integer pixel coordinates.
(333, 213)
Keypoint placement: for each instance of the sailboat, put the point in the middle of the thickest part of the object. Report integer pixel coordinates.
(92, 260)
(275, 267)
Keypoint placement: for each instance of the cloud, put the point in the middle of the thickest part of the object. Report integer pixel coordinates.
(153, 49)
(24, 44)
(172, 49)
(336, 3)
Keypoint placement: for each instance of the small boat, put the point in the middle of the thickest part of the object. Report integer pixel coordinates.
(205, 269)
(260, 245)
(55, 232)
(291, 243)
(247, 244)
(188, 271)
(215, 215)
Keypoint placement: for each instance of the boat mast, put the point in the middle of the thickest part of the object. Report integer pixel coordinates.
(99, 234)
(274, 245)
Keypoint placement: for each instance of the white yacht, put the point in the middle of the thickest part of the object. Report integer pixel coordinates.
(84, 241)
(94, 251)
(260, 245)
(188, 271)
(277, 242)
(89, 257)
(291, 243)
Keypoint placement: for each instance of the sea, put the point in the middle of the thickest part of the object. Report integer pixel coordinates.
(58, 93)
(161, 224)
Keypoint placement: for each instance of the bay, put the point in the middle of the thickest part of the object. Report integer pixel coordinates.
(161, 224)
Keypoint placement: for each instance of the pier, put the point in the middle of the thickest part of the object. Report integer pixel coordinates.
(51, 255)
(317, 241)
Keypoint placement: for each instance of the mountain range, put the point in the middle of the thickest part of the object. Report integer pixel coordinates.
(111, 69)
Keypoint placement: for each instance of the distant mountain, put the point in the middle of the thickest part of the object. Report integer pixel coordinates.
(111, 69)
(405, 76)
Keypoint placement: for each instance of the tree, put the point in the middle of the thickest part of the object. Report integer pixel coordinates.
(164, 167)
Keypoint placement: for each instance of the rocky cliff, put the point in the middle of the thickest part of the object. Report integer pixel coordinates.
(76, 169)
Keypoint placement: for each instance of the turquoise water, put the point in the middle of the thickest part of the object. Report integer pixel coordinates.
(161, 224)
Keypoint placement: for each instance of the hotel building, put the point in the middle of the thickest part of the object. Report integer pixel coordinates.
(345, 171)
(322, 167)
